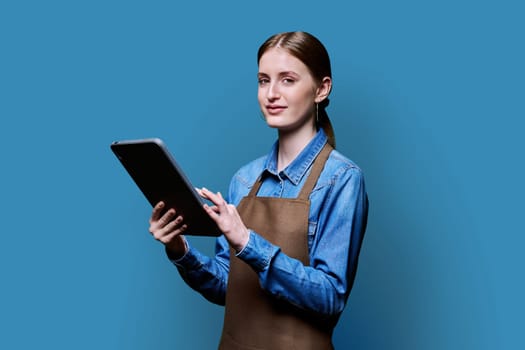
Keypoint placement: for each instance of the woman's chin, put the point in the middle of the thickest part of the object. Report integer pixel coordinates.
(273, 122)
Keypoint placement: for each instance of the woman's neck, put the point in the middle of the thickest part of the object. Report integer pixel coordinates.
(291, 144)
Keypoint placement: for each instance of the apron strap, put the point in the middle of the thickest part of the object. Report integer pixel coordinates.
(255, 187)
(317, 167)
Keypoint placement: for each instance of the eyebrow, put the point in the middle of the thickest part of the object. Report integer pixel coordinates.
(281, 74)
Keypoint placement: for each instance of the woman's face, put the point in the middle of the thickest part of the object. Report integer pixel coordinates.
(287, 91)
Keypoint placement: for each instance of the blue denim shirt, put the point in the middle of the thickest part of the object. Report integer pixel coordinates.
(336, 225)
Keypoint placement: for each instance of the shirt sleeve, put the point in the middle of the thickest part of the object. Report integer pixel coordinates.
(324, 286)
(208, 276)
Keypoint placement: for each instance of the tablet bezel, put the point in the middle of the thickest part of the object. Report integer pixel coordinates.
(159, 177)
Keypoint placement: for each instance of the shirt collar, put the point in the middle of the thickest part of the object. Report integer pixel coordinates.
(298, 167)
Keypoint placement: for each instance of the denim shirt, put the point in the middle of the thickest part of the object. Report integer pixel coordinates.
(336, 225)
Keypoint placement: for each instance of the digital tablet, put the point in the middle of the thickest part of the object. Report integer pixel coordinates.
(158, 176)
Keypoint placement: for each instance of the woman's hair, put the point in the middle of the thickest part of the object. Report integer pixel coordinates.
(309, 50)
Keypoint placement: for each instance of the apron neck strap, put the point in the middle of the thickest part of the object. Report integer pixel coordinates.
(317, 167)
(255, 188)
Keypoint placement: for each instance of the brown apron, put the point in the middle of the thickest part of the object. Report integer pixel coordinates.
(254, 319)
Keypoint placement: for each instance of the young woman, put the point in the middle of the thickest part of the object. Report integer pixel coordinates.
(293, 220)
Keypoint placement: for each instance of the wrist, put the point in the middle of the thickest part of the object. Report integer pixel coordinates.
(177, 248)
(242, 242)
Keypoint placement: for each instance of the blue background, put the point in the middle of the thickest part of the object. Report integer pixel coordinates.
(428, 99)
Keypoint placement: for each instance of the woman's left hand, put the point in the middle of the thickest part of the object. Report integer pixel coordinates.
(227, 218)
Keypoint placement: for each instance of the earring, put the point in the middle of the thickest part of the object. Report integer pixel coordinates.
(317, 113)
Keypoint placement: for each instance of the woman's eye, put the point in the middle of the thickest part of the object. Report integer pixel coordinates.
(288, 80)
(263, 81)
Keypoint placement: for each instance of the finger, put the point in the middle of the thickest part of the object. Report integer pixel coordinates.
(214, 214)
(224, 205)
(172, 226)
(169, 237)
(215, 199)
(214, 208)
(162, 221)
(157, 210)
(167, 217)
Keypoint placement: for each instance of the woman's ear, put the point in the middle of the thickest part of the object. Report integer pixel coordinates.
(323, 90)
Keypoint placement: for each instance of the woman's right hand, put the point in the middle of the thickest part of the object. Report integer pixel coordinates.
(167, 228)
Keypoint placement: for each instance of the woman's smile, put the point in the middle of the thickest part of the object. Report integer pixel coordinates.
(275, 109)
(286, 90)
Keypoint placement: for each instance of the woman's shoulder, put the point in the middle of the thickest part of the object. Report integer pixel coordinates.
(337, 160)
(339, 168)
(248, 173)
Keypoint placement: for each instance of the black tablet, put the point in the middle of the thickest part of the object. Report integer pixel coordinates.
(158, 176)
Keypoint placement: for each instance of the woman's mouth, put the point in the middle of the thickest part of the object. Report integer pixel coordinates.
(275, 109)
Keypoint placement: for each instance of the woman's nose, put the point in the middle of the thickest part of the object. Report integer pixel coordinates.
(273, 92)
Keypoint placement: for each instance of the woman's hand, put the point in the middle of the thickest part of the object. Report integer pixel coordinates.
(168, 229)
(227, 218)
